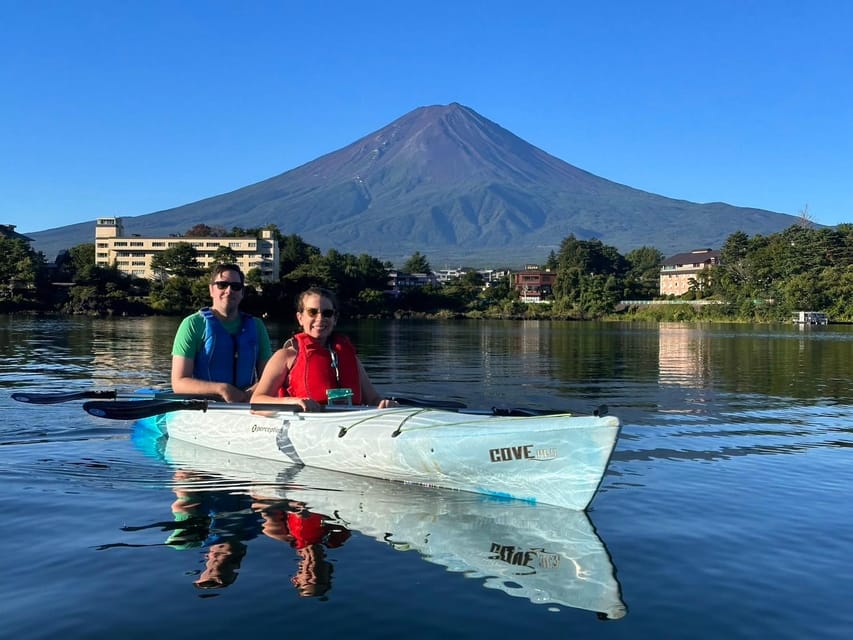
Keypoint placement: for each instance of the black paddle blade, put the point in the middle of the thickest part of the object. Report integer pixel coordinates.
(429, 404)
(140, 409)
(56, 398)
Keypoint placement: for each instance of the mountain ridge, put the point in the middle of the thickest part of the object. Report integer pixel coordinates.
(455, 186)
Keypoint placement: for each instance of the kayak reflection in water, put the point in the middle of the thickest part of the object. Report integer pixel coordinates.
(310, 534)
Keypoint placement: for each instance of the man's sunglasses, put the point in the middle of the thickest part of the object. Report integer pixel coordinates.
(326, 313)
(222, 285)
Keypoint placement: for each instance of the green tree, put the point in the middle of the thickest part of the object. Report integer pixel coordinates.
(498, 292)
(199, 231)
(642, 280)
(106, 291)
(179, 294)
(21, 268)
(179, 260)
(224, 255)
(417, 263)
(77, 262)
(293, 252)
(466, 291)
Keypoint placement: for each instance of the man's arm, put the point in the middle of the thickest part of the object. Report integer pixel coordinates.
(183, 382)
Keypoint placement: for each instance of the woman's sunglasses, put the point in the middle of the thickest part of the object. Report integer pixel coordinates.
(326, 313)
(224, 284)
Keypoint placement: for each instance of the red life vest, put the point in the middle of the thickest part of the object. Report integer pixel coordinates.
(312, 528)
(319, 367)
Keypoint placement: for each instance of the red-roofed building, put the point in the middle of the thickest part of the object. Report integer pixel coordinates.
(534, 284)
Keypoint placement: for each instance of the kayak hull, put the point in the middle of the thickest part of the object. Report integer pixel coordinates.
(553, 459)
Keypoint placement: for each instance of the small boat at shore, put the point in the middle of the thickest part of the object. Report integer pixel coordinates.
(537, 552)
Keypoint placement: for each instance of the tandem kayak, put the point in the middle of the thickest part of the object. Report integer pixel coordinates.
(537, 552)
(553, 459)
(527, 454)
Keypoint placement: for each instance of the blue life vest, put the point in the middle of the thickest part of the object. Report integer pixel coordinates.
(225, 357)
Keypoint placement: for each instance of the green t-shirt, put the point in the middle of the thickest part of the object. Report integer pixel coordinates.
(189, 338)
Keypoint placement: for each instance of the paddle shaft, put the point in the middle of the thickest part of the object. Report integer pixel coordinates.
(151, 403)
(102, 394)
(141, 409)
(112, 394)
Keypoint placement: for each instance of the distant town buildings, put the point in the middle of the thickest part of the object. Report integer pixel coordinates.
(399, 281)
(534, 284)
(133, 255)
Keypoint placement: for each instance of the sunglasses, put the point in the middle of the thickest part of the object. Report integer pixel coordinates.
(222, 285)
(326, 313)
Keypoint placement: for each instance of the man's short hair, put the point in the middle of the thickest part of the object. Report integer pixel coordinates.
(219, 269)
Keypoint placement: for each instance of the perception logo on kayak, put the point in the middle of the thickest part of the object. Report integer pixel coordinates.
(521, 452)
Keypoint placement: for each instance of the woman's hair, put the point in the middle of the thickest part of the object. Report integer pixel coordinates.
(221, 268)
(320, 291)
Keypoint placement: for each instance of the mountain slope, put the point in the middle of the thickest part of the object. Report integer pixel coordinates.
(447, 182)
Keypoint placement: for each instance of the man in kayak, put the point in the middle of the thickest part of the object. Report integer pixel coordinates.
(219, 350)
(317, 364)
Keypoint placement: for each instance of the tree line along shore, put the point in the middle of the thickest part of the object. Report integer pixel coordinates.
(759, 279)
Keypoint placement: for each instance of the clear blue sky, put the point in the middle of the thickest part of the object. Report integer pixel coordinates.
(126, 107)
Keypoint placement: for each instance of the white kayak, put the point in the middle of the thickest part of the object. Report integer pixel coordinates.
(539, 552)
(553, 459)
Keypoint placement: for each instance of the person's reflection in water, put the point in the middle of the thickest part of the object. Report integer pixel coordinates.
(218, 521)
(310, 534)
(313, 577)
(222, 563)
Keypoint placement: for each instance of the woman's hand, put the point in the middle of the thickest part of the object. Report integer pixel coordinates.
(304, 404)
(308, 404)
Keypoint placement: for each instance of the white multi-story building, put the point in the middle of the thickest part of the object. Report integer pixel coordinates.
(133, 254)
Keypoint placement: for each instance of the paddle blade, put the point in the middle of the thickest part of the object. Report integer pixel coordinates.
(431, 404)
(140, 409)
(55, 398)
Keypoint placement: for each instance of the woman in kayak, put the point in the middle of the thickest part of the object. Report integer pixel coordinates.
(317, 365)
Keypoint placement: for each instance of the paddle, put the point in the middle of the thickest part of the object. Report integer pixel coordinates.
(105, 394)
(599, 411)
(140, 409)
(54, 398)
(432, 404)
(111, 394)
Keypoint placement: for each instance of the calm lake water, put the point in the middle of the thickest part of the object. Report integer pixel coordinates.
(725, 512)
